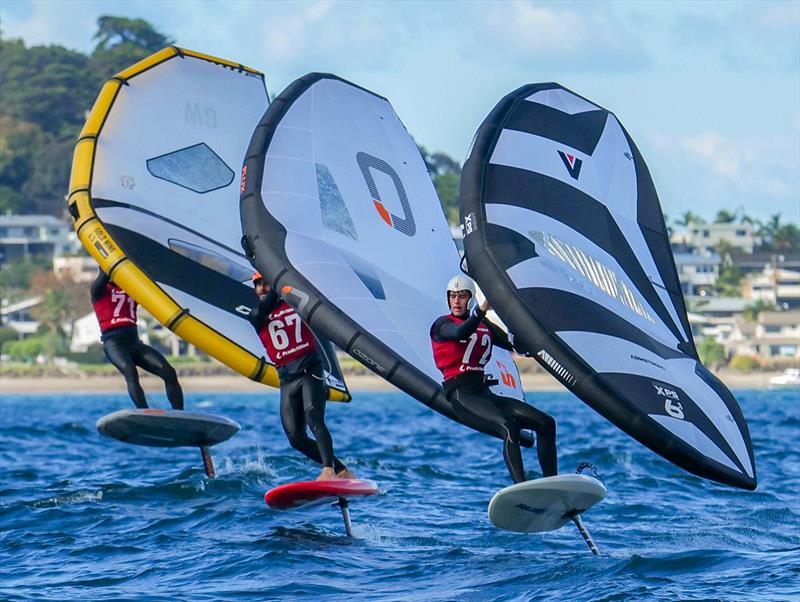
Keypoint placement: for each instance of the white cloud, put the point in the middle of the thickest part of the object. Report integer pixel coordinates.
(563, 36)
(707, 171)
(723, 156)
(756, 35)
(329, 35)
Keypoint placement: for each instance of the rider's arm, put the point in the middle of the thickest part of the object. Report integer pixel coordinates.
(265, 305)
(447, 330)
(499, 336)
(98, 287)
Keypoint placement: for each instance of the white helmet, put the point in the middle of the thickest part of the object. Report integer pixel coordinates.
(462, 283)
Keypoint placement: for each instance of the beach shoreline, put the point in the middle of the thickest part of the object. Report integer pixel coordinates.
(232, 383)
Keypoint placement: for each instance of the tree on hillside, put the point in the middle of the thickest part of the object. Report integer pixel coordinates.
(121, 42)
(729, 280)
(751, 312)
(46, 86)
(786, 239)
(46, 92)
(446, 174)
(711, 352)
(64, 301)
(779, 237)
(443, 163)
(447, 186)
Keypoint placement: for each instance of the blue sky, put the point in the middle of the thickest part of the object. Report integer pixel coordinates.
(710, 91)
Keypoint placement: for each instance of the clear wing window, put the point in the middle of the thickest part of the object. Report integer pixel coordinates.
(335, 215)
(197, 168)
(212, 260)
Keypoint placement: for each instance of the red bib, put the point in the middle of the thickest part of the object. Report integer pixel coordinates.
(285, 336)
(468, 355)
(115, 309)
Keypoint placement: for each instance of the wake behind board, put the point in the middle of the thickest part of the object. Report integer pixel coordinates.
(305, 493)
(546, 504)
(169, 428)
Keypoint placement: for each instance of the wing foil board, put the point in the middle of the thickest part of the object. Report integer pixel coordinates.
(564, 232)
(304, 493)
(544, 504)
(167, 428)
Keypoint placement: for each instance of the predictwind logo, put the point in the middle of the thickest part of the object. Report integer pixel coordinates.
(572, 163)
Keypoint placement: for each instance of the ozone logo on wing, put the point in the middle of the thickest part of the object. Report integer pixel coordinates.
(405, 224)
(367, 360)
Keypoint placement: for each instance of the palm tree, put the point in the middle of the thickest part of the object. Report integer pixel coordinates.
(725, 217)
(689, 218)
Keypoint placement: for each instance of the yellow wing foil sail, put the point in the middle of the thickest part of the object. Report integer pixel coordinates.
(154, 199)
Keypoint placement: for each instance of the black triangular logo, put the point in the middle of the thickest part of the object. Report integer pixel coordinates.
(572, 163)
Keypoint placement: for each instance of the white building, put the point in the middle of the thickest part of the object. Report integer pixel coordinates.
(773, 334)
(76, 268)
(23, 236)
(715, 317)
(18, 315)
(704, 238)
(697, 273)
(774, 286)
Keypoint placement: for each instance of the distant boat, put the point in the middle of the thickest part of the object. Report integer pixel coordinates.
(788, 380)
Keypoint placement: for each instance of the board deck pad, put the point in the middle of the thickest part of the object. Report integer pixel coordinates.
(544, 504)
(167, 428)
(303, 493)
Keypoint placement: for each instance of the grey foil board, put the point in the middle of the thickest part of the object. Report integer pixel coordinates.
(167, 428)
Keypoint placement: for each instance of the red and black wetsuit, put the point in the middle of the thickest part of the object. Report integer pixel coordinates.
(461, 349)
(116, 312)
(292, 347)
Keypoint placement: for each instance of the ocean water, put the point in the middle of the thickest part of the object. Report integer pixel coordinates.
(89, 518)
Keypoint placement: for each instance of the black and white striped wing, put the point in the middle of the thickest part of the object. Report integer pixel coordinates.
(565, 235)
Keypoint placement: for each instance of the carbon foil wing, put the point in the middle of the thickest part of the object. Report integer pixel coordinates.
(565, 235)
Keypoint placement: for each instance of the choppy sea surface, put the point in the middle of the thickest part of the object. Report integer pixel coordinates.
(89, 518)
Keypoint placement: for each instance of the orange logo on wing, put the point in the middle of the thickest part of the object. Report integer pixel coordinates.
(385, 215)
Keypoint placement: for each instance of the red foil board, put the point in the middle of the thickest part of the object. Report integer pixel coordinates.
(292, 495)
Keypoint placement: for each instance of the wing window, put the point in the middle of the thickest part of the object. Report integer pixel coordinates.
(212, 260)
(197, 168)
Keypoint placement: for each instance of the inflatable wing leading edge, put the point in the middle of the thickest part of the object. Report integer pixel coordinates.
(340, 211)
(154, 198)
(565, 235)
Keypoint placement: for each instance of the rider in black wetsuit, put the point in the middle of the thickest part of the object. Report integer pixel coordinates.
(462, 345)
(292, 347)
(116, 311)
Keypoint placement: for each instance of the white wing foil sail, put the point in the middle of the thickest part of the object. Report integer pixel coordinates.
(340, 213)
(154, 196)
(565, 235)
